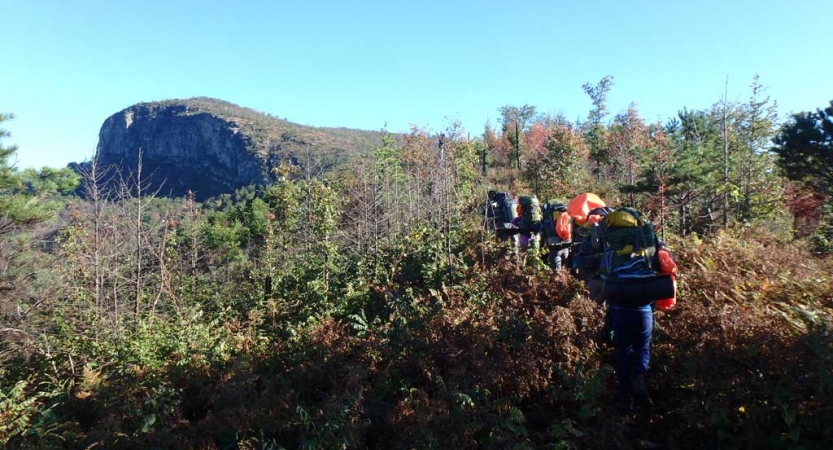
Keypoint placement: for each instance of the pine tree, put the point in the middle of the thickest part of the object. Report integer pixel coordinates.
(805, 149)
(24, 196)
(594, 128)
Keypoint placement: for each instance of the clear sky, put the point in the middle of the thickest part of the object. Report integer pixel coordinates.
(68, 65)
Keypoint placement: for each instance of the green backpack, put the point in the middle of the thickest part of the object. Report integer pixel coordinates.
(531, 214)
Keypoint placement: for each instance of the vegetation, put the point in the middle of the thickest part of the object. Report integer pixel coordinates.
(274, 139)
(805, 146)
(805, 149)
(369, 308)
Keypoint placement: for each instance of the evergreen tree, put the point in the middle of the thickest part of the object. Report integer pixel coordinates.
(594, 128)
(694, 169)
(515, 121)
(24, 196)
(805, 149)
(760, 189)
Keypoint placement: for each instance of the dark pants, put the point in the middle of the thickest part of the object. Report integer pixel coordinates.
(632, 329)
(595, 289)
(557, 258)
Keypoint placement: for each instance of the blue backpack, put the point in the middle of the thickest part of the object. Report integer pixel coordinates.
(501, 210)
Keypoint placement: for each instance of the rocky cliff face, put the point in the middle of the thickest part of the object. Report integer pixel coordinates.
(211, 147)
(181, 150)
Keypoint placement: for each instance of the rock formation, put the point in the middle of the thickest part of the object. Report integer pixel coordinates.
(211, 147)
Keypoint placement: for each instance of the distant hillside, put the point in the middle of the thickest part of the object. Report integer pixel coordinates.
(211, 146)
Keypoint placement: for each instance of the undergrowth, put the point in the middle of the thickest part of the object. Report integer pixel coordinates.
(475, 354)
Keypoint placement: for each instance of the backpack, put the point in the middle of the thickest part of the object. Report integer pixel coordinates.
(531, 215)
(628, 263)
(586, 231)
(504, 209)
(586, 253)
(551, 211)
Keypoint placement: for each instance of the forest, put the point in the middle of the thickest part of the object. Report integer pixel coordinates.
(366, 306)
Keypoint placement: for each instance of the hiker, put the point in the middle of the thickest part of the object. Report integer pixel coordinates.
(488, 209)
(529, 224)
(633, 276)
(526, 239)
(557, 244)
(499, 212)
(582, 223)
(586, 241)
(576, 225)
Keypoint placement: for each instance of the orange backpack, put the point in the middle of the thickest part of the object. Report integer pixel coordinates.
(667, 266)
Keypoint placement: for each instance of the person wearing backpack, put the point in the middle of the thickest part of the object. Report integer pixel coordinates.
(575, 224)
(529, 224)
(585, 259)
(633, 280)
(499, 213)
(558, 246)
(581, 223)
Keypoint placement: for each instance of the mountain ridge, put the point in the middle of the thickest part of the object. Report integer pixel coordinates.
(210, 147)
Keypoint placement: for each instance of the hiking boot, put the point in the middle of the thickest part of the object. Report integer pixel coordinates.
(623, 401)
(643, 401)
(640, 389)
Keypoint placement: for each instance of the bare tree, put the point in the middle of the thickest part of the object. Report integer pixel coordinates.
(725, 156)
(95, 180)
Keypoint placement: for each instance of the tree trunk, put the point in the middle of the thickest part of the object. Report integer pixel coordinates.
(138, 301)
(725, 159)
(518, 145)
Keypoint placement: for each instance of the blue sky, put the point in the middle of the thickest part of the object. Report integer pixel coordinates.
(68, 65)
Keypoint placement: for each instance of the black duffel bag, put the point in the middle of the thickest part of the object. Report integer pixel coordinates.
(638, 291)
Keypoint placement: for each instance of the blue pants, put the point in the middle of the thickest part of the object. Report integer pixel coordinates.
(632, 329)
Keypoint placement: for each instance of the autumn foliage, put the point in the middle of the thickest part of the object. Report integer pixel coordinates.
(368, 306)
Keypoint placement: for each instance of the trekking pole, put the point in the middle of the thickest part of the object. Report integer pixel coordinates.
(483, 235)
